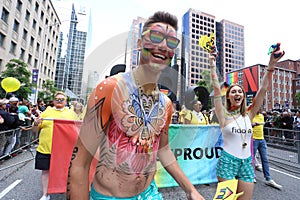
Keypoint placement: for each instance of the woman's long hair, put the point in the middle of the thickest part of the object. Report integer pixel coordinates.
(243, 108)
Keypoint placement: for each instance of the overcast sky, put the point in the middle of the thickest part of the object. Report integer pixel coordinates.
(265, 21)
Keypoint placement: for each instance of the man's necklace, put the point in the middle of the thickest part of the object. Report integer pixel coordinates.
(145, 133)
(243, 134)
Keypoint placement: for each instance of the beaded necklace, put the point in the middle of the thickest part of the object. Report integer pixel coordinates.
(234, 112)
(243, 134)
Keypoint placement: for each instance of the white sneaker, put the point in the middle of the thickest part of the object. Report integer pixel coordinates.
(272, 183)
(45, 197)
(254, 181)
(259, 168)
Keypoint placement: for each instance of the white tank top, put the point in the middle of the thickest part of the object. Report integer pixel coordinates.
(235, 134)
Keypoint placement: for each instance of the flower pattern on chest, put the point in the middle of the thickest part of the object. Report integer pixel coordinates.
(144, 118)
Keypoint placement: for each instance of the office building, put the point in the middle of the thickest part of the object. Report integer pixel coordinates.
(131, 47)
(72, 50)
(229, 41)
(29, 31)
(280, 94)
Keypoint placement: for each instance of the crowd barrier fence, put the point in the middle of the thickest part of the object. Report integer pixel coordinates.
(287, 141)
(24, 141)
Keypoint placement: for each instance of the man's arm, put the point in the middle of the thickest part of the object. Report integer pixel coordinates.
(82, 156)
(91, 133)
(169, 162)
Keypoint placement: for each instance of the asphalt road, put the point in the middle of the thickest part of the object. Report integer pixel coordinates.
(19, 181)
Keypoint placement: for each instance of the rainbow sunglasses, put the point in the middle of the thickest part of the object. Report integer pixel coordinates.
(157, 37)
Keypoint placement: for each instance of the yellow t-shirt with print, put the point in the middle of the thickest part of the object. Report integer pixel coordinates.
(258, 131)
(46, 126)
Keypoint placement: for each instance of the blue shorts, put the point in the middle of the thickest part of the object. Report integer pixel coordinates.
(150, 193)
(230, 167)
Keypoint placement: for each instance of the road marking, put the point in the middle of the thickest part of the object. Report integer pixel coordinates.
(290, 175)
(9, 188)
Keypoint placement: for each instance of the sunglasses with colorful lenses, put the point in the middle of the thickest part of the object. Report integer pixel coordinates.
(157, 37)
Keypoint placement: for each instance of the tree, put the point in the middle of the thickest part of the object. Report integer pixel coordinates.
(297, 97)
(49, 90)
(206, 82)
(18, 69)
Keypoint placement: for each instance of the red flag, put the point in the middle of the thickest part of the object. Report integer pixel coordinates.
(65, 134)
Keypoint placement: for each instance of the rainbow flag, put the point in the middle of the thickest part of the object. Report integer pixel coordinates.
(232, 78)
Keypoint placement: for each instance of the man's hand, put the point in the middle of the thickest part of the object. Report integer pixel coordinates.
(37, 121)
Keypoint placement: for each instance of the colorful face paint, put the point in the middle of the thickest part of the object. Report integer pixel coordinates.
(145, 53)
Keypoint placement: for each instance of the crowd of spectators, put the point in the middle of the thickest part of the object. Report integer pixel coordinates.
(16, 119)
(280, 125)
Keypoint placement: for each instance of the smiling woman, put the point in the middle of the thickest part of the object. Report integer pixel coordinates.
(235, 122)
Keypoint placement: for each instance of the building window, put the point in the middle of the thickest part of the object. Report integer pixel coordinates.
(40, 31)
(27, 15)
(4, 15)
(37, 47)
(19, 5)
(33, 24)
(22, 53)
(16, 26)
(42, 15)
(35, 63)
(36, 7)
(31, 41)
(13, 48)
(2, 38)
(29, 59)
(25, 33)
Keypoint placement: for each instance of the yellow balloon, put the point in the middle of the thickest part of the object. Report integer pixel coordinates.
(10, 84)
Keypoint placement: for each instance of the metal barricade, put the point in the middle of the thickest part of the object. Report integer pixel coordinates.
(285, 140)
(23, 138)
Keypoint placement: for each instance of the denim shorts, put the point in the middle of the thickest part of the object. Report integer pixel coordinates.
(230, 167)
(150, 193)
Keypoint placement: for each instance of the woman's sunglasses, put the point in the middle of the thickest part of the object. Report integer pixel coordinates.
(157, 37)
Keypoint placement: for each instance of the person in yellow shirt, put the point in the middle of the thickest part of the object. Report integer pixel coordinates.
(260, 145)
(78, 109)
(195, 116)
(182, 114)
(44, 124)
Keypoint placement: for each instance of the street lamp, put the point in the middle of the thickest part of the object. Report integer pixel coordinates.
(36, 72)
